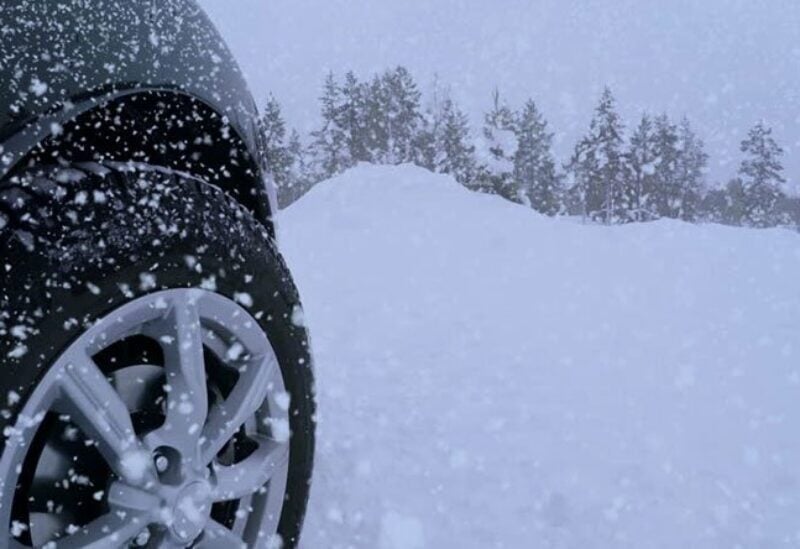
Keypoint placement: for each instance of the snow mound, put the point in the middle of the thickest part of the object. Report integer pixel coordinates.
(488, 377)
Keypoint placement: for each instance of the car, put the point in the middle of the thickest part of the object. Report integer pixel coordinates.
(157, 383)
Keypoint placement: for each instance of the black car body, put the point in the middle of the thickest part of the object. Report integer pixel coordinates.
(137, 80)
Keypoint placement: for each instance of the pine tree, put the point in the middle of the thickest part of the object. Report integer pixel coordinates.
(789, 210)
(691, 166)
(401, 114)
(761, 173)
(300, 179)
(273, 131)
(735, 211)
(424, 143)
(598, 165)
(496, 153)
(579, 170)
(667, 194)
(330, 146)
(641, 159)
(376, 128)
(352, 118)
(534, 167)
(455, 155)
(714, 206)
(427, 138)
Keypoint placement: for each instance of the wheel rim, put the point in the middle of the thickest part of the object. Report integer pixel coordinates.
(209, 470)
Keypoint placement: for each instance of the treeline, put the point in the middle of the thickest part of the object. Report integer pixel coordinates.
(659, 171)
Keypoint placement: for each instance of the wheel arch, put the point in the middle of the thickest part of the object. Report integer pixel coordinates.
(157, 126)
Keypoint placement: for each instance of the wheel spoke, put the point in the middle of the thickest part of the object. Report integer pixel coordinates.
(248, 476)
(114, 529)
(88, 397)
(216, 535)
(124, 496)
(187, 401)
(247, 396)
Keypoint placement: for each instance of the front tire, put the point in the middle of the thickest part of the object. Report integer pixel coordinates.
(77, 246)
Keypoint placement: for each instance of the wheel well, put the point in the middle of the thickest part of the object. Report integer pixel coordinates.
(166, 129)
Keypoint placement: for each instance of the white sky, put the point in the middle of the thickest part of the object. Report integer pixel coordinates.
(723, 63)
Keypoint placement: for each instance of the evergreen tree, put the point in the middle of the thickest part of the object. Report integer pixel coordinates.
(426, 140)
(789, 211)
(761, 174)
(497, 152)
(641, 159)
(534, 167)
(300, 179)
(580, 169)
(330, 146)
(598, 165)
(376, 128)
(714, 206)
(273, 131)
(667, 194)
(424, 145)
(401, 114)
(352, 118)
(455, 155)
(691, 165)
(735, 203)
(724, 205)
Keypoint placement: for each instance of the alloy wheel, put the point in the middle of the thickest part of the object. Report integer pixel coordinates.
(166, 424)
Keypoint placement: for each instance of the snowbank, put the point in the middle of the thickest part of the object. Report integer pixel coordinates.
(489, 377)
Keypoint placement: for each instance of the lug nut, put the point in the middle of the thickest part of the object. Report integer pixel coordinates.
(162, 463)
(142, 538)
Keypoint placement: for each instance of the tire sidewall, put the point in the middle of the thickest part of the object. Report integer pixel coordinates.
(218, 247)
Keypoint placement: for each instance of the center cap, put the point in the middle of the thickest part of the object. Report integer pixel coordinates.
(191, 511)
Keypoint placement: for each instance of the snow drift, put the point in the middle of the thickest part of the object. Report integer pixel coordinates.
(488, 377)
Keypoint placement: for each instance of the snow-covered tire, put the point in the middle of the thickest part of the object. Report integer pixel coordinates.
(79, 242)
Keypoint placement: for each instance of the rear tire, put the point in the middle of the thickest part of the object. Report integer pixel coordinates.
(77, 243)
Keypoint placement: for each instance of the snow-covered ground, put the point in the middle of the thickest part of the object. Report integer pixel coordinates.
(488, 377)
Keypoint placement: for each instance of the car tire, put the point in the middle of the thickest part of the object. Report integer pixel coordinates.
(78, 242)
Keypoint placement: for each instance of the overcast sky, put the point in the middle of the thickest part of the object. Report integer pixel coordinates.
(723, 63)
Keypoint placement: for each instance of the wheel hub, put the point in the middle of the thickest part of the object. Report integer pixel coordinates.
(191, 509)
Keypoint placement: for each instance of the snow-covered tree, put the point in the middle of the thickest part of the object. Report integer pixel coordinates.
(376, 127)
(735, 210)
(678, 173)
(714, 206)
(691, 166)
(273, 132)
(299, 179)
(579, 170)
(352, 118)
(496, 152)
(425, 141)
(641, 159)
(761, 174)
(401, 114)
(330, 148)
(455, 154)
(535, 174)
(667, 193)
(598, 165)
(789, 211)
